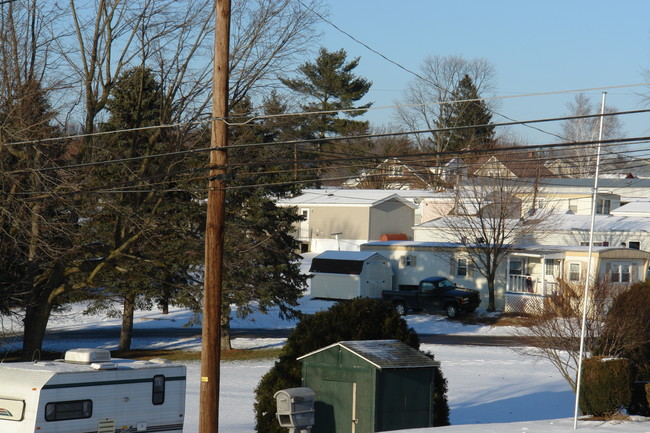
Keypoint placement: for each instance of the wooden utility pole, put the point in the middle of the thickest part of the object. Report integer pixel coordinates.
(214, 232)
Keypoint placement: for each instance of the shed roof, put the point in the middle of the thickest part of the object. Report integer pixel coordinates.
(384, 354)
(341, 262)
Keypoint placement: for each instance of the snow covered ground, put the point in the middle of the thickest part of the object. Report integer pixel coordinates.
(491, 389)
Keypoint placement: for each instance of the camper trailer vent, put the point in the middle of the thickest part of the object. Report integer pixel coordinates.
(87, 356)
(106, 426)
(103, 366)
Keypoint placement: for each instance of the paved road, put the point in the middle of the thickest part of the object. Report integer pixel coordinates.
(114, 332)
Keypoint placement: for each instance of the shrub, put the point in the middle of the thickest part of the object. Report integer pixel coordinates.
(626, 332)
(606, 385)
(359, 319)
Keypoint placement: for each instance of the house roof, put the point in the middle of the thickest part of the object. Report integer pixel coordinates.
(384, 354)
(520, 164)
(344, 197)
(637, 208)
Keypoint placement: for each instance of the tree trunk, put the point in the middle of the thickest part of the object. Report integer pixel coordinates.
(225, 330)
(36, 318)
(126, 332)
(491, 302)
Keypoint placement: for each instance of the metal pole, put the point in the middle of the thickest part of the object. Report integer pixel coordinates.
(585, 298)
(214, 234)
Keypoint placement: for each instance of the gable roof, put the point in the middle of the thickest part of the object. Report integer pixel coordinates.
(341, 262)
(520, 164)
(384, 354)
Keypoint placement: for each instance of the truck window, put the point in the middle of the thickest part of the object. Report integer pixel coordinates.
(446, 284)
(158, 394)
(66, 410)
(428, 287)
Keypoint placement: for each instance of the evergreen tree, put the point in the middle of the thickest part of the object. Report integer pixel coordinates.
(261, 267)
(146, 226)
(330, 86)
(469, 112)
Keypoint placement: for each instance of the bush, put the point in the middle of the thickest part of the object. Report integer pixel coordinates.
(626, 333)
(606, 385)
(359, 319)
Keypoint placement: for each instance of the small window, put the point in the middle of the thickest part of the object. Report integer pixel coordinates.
(634, 245)
(158, 395)
(408, 260)
(574, 272)
(66, 410)
(461, 268)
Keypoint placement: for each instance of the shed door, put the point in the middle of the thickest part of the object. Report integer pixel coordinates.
(341, 415)
(377, 278)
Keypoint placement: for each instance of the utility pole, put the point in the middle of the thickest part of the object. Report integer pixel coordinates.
(214, 232)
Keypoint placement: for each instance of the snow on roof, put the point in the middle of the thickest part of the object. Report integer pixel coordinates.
(422, 244)
(384, 354)
(345, 255)
(637, 208)
(347, 197)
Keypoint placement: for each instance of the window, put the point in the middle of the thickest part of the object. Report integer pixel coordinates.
(621, 272)
(550, 267)
(603, 206)
(516, 267)
(461, 267)
(574, 271)
(408, 260)
(158, 390)
(65, 410)
(634, 245)
(596, 244)
(428, 287)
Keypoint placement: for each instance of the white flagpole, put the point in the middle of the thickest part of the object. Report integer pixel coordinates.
(585, 298)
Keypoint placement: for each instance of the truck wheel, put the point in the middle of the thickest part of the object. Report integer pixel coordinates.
(452, 310)
(400, 309)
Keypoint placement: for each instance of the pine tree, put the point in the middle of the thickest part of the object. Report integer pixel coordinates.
(145, 226)
(468, 112)
(330, 87)
(262, 268)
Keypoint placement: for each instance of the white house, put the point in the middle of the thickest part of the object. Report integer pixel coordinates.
(527, 272)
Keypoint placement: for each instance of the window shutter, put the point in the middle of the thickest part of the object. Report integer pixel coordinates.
(608, 272)
(470, 268)
(452, 266)
(633, 273)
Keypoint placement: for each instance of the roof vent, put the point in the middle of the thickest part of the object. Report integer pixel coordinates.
(87, 356)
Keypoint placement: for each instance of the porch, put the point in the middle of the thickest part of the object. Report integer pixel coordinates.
(531, 279)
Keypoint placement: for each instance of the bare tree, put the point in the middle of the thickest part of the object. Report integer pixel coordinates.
(423, 103)
(587, 130)
(490, 217)
(554, 330)
(36, 228)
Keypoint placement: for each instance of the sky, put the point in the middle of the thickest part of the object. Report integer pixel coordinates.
(535, 47)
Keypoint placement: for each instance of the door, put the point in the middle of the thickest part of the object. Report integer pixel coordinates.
(303, 228)
(336, 408)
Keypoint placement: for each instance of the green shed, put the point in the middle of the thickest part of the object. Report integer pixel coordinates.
(370, 386)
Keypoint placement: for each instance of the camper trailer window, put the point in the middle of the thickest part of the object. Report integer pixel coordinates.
(158, 396)
(65, 410)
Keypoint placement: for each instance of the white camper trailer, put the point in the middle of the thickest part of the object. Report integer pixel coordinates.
(90, 392)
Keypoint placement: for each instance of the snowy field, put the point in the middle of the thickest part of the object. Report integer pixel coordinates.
(491, 389)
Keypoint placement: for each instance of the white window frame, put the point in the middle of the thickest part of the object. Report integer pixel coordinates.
(572, 272)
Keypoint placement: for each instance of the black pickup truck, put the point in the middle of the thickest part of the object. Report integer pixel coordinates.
(433, 294)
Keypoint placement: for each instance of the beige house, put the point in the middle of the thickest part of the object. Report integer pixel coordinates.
(343, 219)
